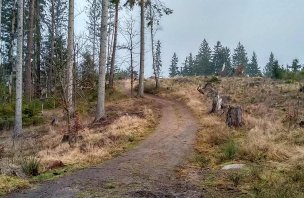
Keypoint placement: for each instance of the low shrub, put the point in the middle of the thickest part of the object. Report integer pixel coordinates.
(30, 166)
(229, 150)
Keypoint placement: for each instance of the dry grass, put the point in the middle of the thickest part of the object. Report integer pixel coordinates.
(272, 109)
(129, 120)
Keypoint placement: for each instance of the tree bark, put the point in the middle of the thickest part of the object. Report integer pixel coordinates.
(152, 46)
(1, 32)
(142, 49)
(38, 49)
(70, 61)
(28, 65)
(112, 69)
(100, 110)
(52, 50)
(18, 109)
(234, 117)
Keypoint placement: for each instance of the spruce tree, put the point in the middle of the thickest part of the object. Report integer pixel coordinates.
(240, 56)
(277, 70)
(203, 60)
(217, 58)
(173, 67)
(269, 66)
(158, 63)
(185, 70)
(253, 67)
(226, 56)
(295, 67)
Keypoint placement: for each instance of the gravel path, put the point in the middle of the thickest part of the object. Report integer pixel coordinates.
(149, 170)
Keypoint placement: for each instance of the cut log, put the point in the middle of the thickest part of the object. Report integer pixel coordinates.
(234, 117)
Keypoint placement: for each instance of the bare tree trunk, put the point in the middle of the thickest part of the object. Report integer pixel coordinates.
(28, 64)
(142, 49)
(132, 66)
(100, 110)
(0, 32)
(18, 109)
(38, 50)
(152, 46)
(70, 61)
(12, 36)
(94, 34)
(52, 50)
(112, 69)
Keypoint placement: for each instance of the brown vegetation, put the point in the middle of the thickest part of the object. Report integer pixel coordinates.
(271, 138)
(128, 121)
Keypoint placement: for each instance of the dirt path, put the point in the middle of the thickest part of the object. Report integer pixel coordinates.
(146, 171)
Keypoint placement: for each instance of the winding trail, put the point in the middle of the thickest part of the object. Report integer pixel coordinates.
(149, 170)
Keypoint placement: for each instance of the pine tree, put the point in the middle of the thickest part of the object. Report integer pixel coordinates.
(295, 67)
(203, 60)
(217, 58)
(191, 63)
(93, 24)
(253, 67)
(226, 58)
(269, 66)
(173, 67)
(185, 69)
(240, 56)
(158, 63)
(277, 70)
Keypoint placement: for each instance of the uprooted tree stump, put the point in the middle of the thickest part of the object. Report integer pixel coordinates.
(234, 117)
(218, 102)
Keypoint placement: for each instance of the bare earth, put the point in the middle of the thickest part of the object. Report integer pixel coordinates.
(149, 170)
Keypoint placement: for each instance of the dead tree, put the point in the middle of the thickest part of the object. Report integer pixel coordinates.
(219, 103)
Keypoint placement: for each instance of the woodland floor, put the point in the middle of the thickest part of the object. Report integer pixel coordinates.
(149, 170)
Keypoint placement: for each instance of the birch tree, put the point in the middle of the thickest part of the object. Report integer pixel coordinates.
(18, 110)
(70, 61)
(100, 110)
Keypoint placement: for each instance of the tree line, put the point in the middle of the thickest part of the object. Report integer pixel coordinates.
(40, 51)
(221, 61)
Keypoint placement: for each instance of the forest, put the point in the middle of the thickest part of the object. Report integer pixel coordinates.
(81, 117)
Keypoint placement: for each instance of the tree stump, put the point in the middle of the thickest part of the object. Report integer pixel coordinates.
(216, 104)
(234, 117)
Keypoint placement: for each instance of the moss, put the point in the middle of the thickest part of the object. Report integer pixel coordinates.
(9, 184)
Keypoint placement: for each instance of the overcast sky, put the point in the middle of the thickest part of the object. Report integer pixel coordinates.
(260, 25)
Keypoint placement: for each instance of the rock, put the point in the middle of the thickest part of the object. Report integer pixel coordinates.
(55, 164)
(233, 167)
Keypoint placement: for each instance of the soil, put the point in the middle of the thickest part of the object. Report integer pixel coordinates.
(149, 170)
